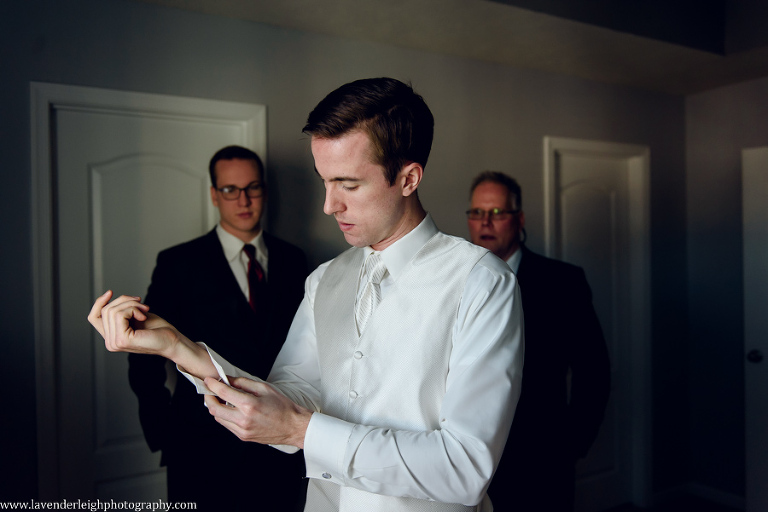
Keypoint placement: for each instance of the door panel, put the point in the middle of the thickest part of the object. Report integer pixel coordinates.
(592, 232)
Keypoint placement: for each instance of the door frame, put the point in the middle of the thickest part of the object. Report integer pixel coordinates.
(45, 99)
(638, 160)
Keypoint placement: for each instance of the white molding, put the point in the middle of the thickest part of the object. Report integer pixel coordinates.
(638, 158)
(45, 99)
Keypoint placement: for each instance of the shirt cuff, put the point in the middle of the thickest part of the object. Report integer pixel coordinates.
(224, 368)
(325, 445)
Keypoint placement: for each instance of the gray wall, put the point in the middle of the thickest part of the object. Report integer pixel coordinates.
(487, 116)
(720, 123)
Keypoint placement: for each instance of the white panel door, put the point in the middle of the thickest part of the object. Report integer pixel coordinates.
(129, 178)
(755, 231)
(590, 224)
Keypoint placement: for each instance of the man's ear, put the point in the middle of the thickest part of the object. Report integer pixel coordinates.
(410, 177)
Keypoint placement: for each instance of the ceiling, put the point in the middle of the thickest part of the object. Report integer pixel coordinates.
(669, 46)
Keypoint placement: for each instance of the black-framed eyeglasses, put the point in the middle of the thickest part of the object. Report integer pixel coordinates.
(231, 192)
(493, 214)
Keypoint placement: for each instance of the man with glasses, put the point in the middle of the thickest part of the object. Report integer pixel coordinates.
(554, 425)
(237, 288)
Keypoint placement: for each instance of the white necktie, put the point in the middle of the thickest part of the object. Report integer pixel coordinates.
(374, 271)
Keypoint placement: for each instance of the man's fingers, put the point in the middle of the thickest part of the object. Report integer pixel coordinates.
(94, 317)
(232, 408)
(227, 416)
(123, 302)
(214, 385)
(217, 407)
(116, 321)
(251, 386)
(223, 391)
(136, 311)
(222, 409)
(241, 396)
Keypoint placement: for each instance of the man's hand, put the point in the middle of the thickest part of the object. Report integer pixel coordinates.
(258, 412)
(127, 326)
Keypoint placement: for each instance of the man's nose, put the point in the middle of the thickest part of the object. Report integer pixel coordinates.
(332, 203)
(244, 199)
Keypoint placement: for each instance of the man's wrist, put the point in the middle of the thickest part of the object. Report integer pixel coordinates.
(302, 420)
(190, 356)
(174, 349)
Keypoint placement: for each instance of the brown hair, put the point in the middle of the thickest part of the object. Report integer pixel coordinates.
(397, 120)
(232, 153)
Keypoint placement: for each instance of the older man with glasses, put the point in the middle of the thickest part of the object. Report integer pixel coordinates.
(554, 425)
(238, 288)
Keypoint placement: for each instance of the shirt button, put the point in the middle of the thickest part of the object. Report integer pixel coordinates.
(353, 394)
(327, 476)
(358, 355)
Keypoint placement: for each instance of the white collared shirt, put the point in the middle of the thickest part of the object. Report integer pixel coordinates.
(238, 260)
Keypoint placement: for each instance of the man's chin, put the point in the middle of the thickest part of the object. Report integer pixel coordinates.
(354, 241)
(250, 228)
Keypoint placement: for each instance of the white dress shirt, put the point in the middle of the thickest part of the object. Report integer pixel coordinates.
(484, 378)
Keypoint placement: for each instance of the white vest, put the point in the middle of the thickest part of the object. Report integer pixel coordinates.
(393, 375)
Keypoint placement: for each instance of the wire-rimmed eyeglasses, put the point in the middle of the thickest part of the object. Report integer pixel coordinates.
(493, 214)
(231, 192)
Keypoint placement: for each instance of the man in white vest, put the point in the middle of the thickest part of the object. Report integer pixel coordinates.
(401, 372)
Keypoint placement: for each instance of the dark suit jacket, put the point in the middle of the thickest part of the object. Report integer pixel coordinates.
(193, 288)
(550, 432)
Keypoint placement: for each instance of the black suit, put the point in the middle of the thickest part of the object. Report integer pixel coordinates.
(193, 288)
(549, 433)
